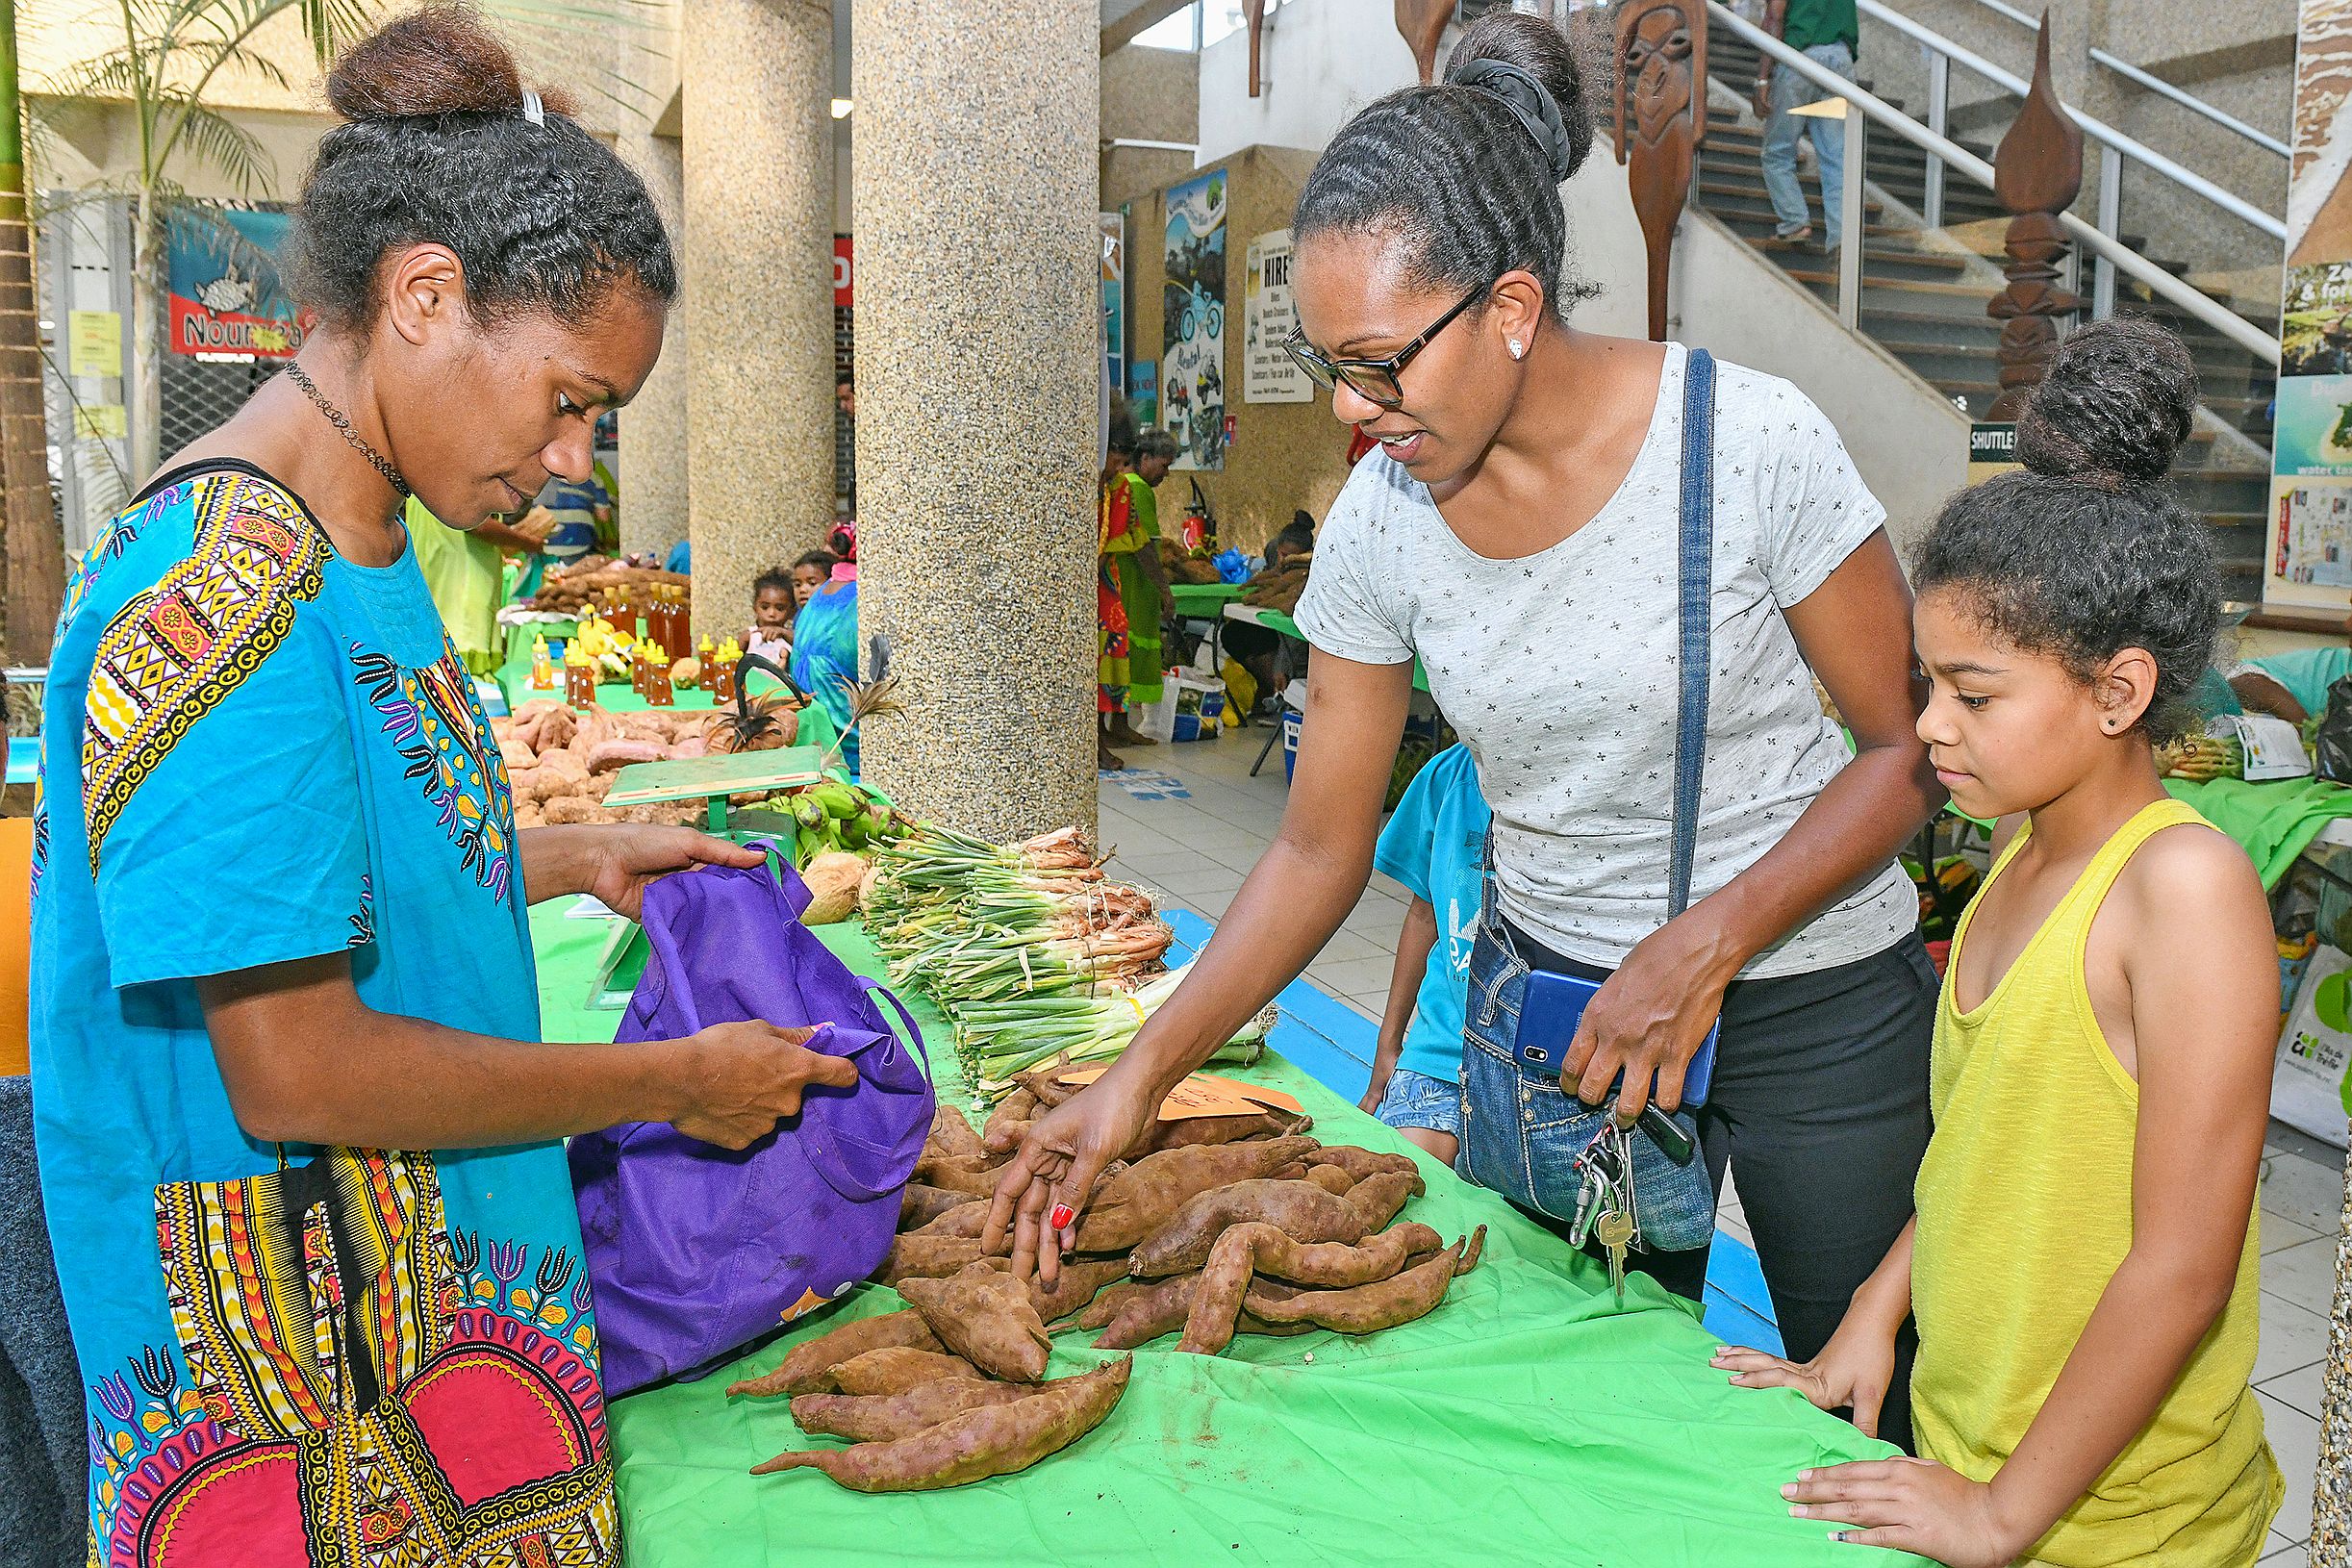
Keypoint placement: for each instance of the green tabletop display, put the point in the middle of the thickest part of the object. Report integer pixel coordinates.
(1523, 1422)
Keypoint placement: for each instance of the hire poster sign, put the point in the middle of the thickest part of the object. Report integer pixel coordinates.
(226, 295)
(1192, 322)
(1269, 374)
(2308, 550)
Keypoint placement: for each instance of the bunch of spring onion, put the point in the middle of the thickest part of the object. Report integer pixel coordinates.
(1028, 948)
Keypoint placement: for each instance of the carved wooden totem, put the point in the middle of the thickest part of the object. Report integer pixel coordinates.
(1661, 118)
(2036, 172)
(1422, 23)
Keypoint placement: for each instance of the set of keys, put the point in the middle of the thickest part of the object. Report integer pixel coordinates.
(1605, 1202)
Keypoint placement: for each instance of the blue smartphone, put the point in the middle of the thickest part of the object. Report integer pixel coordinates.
(1554, 1005)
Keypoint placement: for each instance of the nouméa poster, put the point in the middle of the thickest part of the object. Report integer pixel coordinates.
(1192, 322)
(2310, 555)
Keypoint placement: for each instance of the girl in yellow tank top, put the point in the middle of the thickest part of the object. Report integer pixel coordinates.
(2083, 1264)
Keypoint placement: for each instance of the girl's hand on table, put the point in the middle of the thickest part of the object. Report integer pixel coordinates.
(1046, 1184)
(617, 862)
(1909, 1506)
(1852, 1372)
(741, 1079)
(1647, 1021)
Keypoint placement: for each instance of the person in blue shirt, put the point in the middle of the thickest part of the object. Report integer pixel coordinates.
(2295, 685)
(1434, 845)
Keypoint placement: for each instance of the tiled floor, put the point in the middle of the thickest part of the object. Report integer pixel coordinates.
(1194, 850)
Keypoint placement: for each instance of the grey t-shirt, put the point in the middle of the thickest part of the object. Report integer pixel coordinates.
(1558, 669)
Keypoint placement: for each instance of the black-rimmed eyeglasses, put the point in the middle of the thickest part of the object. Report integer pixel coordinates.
(1372, 380)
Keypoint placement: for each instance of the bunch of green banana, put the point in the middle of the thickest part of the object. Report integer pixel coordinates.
(836, 815)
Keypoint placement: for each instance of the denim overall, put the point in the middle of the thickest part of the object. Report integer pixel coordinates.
(1521, 1131)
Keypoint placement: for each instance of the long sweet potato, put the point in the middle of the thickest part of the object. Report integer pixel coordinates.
(1378, 1197)
(1044, 1082)
(1330, 1179)
(1224, 1129)
(1360, 1163)
(1246, 1251)
(927, 1257)
(1151, 1312)
(964, 1221)
(882, 1418)
(1368, 1309)
(923, 1204)
(995, 1440)
(894, 1369)
(1081, 1278)
(985, 1316)
(969, 1181)
(1106, 1306)
(806, 1365)
(1298, 1209)
(1139, 1200)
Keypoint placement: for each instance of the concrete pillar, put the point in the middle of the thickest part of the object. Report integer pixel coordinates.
(977, 385)
(653, 462)
(2331, 1542)
(759, 306)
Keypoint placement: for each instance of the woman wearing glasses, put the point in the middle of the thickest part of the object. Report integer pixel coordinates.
(1522, 529)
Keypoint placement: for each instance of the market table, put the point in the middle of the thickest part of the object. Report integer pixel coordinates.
(1275, 620)
(1202, 600)
(514, 678)
(1525, 1421)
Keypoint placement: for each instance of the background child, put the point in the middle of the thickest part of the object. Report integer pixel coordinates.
(810, 574)
(2083, 1264)
(1434, 844)
(775, 599)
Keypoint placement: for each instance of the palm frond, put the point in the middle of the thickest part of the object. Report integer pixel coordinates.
(866, 699)
(237, 153)
(115, 73)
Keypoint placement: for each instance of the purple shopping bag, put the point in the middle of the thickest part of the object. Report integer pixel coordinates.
(695, 1250)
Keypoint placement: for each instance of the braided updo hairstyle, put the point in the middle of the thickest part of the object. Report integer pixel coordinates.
(2088, 551)
(1458, 176)
(437, 148)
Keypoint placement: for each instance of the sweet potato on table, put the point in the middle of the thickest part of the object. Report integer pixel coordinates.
(1298, 1209)
(992, 1441)
(806, 1366)
(1368, 1309)
(1081, 1278)
(969, 1181)
(1330, 1179)
(927, 1257)
(882, 1418)
(1225, 1130)
(1139, 1200)
(923, 1204)
(1104, 1308)
(1360, 1163)
(1377, 1198)
(985, 1316)
(1151, 1312)
(894, 1369)
(1247, 1251)
(1041, 1081)
(964, 1220)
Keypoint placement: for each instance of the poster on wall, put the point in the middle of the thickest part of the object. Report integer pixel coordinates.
(1267, 372)
(1114, 297)
(1192, 322)
(226, 295)
(1143, 392)
(2310, 555)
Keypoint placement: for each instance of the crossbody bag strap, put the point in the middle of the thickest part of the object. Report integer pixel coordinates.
(1695, 577)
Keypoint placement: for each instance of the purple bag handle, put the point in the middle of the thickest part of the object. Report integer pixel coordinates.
(914, 1030)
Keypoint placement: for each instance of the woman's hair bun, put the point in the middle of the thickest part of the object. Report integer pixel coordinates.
(2118, 400)
(436, 60)
(1536, 46)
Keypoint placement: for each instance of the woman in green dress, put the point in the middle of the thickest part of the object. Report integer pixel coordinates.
(1143, 579)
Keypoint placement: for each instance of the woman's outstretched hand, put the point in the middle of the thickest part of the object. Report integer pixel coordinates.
(1044, 1188)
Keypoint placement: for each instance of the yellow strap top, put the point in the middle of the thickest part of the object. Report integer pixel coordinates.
(2024, 1211)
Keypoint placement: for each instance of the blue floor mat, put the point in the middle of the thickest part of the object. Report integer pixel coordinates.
(1334, 1045)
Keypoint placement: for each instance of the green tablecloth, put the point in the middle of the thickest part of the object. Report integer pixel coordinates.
(1524, 1422)
(2274, 822)
(1203, 600)
(1275, 620)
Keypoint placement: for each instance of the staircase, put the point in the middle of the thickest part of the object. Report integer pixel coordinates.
(1925, 305)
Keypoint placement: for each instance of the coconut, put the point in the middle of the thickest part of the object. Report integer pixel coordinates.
(833, 881)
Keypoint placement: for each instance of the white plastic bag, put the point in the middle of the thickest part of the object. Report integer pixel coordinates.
(2307, 1082)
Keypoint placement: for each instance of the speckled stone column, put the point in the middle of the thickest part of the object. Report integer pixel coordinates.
(653, 483)
(2331, 1545)
(976, 387)
(759, 302)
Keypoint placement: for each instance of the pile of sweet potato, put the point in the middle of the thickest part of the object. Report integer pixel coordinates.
(1279, 588)
(568, 589)
(1214, 1226)
(560, 761)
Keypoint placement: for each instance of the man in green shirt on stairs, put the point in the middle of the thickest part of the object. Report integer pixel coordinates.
(1829, 33)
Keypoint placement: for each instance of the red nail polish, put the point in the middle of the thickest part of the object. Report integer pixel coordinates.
(1061, 1217)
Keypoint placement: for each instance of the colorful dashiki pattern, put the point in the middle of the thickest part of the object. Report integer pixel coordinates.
(296, 1356)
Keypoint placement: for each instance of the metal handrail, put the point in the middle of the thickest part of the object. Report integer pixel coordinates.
(2153, 84)
(2159, 282)
(2097, 130)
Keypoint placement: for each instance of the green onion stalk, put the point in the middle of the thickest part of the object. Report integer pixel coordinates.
(997, 1039)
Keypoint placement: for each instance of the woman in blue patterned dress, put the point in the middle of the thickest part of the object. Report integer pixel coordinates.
(300, 1144)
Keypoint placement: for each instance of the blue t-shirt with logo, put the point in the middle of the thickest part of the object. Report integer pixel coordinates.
(1434, 844)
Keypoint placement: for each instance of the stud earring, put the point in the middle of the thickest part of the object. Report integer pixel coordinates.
(1519, 349)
